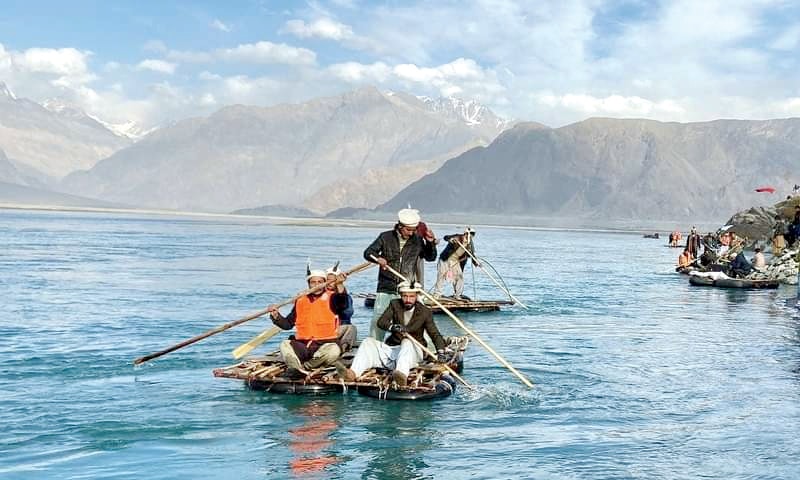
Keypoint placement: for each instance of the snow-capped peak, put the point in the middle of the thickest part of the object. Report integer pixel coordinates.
(470, 112)
(6, 92)
(130, 129)
(64, 108)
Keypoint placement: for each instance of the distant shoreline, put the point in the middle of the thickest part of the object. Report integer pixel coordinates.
(333, 222)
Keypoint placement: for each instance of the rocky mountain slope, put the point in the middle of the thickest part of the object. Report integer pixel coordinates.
(616, 169)
(49, 144)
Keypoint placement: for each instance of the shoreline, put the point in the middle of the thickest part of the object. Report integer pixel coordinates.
(523, 223)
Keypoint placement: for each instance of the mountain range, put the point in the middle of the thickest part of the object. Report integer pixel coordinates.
(356, 149)
(368, 153)
(606, 168)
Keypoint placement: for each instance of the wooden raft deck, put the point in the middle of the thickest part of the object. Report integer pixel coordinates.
(268, 373)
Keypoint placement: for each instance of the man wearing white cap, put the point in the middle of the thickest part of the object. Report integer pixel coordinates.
(347, 332)
(405, 316)
(399, 248)
(453, 260)
(315, 318)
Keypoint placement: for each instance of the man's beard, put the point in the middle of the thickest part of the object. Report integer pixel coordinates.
(408, 306)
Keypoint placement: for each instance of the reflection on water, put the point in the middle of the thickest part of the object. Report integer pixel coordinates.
(309, 441)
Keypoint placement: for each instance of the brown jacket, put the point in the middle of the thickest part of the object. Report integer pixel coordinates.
(421, 321)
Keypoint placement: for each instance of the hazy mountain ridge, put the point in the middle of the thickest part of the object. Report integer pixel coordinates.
(611, 168)
(246, 157)
(51, 144)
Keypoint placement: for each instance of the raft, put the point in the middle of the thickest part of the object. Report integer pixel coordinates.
(732, 282)
(426, 382)
(452, 304)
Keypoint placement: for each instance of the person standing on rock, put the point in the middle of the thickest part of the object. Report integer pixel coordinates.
(778, 240)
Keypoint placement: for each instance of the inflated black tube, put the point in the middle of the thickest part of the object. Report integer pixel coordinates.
(444, 388)
(294, 388)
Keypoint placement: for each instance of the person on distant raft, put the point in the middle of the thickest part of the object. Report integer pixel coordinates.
(453, 260)
(315, 318)
(685, 259)
(404, 316)
(693, 243)
(398, 248)
(347, 332)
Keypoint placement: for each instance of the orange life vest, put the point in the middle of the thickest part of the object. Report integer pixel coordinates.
(315, 320)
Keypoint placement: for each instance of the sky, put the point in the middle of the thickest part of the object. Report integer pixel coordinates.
(554, 62)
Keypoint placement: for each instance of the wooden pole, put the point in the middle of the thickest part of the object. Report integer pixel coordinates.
(464, 327)
(490, 275)
(426, 350)
(242, 320)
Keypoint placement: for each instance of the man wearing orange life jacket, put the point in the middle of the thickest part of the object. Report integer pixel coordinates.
(315, 318)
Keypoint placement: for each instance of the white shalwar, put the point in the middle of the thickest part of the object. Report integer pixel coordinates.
(372, 354)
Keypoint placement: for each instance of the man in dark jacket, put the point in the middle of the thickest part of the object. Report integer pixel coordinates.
(693, 243)
(405, 316)
(459, 249)
(399, 248)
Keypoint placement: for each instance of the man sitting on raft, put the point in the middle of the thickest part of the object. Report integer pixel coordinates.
(404, 316)
(316, 319)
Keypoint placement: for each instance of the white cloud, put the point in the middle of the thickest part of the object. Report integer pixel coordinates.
(321, 28)
(58, 61)
(267, 52)
(155, 65)
(218, 25)
(615, 105)
(355, 72)
(258, 53)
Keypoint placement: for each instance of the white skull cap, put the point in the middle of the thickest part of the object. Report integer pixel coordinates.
(316, 273)
(408, 217)
(404, 287)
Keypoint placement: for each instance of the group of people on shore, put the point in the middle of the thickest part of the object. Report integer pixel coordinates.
(322, 318)
(785, 235)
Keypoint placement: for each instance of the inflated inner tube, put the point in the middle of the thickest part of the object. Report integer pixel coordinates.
(444, 388)
(294, 388)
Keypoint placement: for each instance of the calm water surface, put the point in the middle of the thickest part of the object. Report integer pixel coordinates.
(638, 375)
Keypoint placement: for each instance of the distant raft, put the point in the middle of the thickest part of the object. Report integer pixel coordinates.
(453, 304)
(723, 281)
(426, 382)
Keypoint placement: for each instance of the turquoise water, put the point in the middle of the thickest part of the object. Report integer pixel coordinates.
(638, 374)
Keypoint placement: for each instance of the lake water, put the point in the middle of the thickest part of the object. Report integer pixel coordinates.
(638, 374)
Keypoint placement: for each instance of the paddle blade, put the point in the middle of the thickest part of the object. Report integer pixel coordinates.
(254, 342)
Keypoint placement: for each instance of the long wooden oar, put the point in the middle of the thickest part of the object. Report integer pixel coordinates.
(463, 327)
(242, 320)
(490, 275)
(262, 337)
(426, 350)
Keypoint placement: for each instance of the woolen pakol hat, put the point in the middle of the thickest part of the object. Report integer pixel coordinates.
(408, 217)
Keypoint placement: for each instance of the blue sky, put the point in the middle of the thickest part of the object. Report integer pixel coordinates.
(554, 62)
